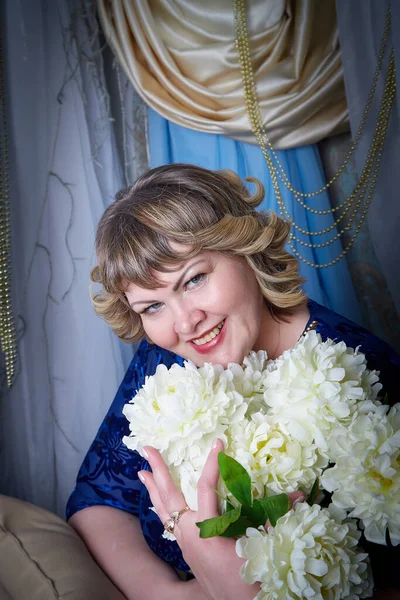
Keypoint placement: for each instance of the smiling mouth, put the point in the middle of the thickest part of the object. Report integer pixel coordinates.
(209, 336)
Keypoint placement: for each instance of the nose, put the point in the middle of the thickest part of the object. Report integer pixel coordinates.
(187, 319)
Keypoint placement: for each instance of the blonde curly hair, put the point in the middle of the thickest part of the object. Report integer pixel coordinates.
(202, 210)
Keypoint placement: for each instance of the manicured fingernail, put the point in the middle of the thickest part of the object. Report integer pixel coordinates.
(145, 453)
(216, 442)
(141, 476)
(299, 499)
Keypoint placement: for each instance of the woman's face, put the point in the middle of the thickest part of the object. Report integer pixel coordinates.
(210, 310)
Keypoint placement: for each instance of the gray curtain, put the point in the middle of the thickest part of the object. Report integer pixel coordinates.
(378, 311)
(68, 157)
(375, 258)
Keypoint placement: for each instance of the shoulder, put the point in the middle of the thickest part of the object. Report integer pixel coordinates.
(335, 326)
(143, 364)
(380, 355)
(108, 475)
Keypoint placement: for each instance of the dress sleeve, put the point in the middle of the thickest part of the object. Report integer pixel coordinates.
(108, 475)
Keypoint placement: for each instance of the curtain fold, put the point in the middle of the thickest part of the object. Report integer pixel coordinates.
(65, 168)
(181, 58)
(377, 307)
(171, 143)
(360, 47)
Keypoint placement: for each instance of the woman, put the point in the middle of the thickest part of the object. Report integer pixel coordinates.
(185, 260)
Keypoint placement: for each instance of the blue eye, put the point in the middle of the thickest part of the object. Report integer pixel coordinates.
(195, 280)
(151, 309)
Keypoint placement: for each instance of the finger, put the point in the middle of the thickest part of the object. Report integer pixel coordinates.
(296, 497)
(208, 483)
(165, 492)
(148, 480)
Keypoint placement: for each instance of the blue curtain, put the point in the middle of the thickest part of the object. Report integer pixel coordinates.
(332, 286)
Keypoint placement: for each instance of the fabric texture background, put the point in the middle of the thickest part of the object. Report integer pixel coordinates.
(360, 46)
(182, 59)
(65, 168)
(378, 310)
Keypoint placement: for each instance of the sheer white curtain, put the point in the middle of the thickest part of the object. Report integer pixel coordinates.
(65, 168)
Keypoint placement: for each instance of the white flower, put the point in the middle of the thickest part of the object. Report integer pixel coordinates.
(181, 410)
(255, 363)
(315, 386)
(366, 416)
(366, 480)
(371, 384)
(166, 535)
(248, 378)
(275, 461)
(186, 478)
(306, 555)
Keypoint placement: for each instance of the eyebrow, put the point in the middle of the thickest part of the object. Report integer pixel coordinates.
(176, 285)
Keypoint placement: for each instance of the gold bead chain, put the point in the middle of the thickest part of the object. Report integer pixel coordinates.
(369, 168)
(370, 171)
(7, 326)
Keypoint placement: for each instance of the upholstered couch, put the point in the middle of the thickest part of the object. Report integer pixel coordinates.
(42, 558)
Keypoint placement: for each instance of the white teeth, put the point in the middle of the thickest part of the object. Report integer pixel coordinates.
(209, 336)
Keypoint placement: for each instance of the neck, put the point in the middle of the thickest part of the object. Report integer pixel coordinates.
(277, 335)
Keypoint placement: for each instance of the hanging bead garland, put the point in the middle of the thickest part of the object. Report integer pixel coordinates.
(357, 204)
(7, 326)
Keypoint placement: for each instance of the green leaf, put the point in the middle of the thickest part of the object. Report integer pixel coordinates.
(275, 507)
(256, 514)
(385, 399)
(314, 492)
(217, 525)
(236, 478)
(229, 506)
(237, 528)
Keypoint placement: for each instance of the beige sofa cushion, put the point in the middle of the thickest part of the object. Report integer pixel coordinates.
(42, 558)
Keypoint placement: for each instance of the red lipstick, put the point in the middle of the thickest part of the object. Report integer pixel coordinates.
(212, 344)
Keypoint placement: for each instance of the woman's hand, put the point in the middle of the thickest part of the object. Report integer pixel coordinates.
(213, 561)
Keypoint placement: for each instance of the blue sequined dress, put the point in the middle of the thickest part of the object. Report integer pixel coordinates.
(108, 475)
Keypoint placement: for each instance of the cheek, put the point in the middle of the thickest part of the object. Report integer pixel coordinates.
(244, 296)
(160, 332)
(234, 293)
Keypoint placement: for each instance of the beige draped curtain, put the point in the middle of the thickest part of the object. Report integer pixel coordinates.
(181, 57)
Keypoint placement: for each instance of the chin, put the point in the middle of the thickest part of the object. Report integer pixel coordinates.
(234, 357)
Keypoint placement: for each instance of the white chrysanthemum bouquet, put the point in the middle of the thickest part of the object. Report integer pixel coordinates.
(309, 420)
